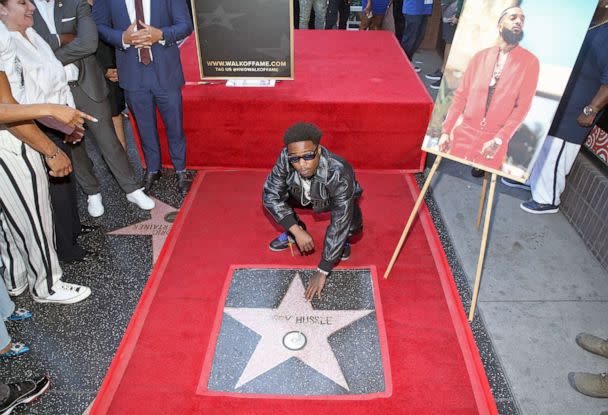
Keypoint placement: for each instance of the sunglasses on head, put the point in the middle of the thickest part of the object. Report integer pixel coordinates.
(307, 157)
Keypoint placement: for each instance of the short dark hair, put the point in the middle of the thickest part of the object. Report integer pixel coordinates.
(302, 131)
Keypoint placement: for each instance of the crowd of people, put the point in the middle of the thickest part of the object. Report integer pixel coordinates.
(67, 67)
(68, 70)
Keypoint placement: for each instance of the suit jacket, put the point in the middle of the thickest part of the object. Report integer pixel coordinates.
(170, 16)
(74, 16)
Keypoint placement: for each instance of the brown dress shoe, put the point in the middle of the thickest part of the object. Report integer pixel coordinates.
(593, 344)
(590, 384)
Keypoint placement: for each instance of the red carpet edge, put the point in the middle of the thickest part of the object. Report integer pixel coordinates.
(470, 353)
(123, 354)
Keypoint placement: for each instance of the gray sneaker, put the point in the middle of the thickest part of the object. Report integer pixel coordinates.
(593, 344)
(590, 384)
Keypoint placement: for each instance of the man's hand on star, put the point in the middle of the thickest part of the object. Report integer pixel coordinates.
(315, 286)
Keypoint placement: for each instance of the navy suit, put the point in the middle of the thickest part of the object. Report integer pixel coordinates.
(157, 85)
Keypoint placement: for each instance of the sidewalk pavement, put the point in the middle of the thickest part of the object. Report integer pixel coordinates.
(540, 287)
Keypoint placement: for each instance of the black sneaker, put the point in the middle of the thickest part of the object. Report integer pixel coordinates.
(345, 251)
(24, 392)
(281, 242)
(435, 75)
(436, 84)
(513, 183)
(531, 206)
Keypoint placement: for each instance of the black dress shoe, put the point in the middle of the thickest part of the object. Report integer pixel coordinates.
(84, 229)
(84, 256)
(88, 257)
(183, 181)
(477, 172)
(150, 179)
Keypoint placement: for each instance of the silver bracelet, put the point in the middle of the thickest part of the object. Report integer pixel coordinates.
(49, 158)
(326, 273)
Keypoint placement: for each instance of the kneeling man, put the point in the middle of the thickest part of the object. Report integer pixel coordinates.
(310, 176)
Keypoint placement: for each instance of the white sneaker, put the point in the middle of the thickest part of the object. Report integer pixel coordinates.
(94, 205)
(65, 293)
(142, 200)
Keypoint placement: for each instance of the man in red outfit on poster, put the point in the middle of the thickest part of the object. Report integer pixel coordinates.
(493, 98)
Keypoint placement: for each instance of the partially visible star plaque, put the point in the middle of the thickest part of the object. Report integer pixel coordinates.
(271, 341)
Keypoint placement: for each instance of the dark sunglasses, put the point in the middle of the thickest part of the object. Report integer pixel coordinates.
(307, 157)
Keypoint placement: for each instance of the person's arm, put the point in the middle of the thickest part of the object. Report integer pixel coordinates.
(598, 103)
(274, 199)
(102, 16)
(461, 95)
(85, 41)
(275, 194)
(342, 210)
(28, 132)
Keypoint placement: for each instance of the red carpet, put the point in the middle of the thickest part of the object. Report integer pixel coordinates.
(356, 86)
(434, 362)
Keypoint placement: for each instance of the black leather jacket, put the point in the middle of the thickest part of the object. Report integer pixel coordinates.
(333, 188)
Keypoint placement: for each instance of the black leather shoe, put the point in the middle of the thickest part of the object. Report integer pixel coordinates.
(150, 179)
(88, 257)
(183, 181)
(345, 251)
(477, 172)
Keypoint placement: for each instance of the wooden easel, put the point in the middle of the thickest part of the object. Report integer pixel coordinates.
(484, 237)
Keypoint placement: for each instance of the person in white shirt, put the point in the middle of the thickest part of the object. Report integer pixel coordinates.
(27, 231)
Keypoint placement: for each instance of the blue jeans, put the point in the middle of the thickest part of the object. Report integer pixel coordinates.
(320, 10)
(415, 26)
(7, 307)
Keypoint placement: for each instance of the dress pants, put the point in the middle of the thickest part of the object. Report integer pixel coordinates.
(399, 19)
(415, 27)
(333, 8)
(143, 103)
(104, 135)
(65, 207)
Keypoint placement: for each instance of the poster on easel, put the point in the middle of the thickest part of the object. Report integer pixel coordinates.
(507, 70)
(239, 39)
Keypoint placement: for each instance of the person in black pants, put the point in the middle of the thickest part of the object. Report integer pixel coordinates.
(334, 7)
(399, 19)
(65, 208)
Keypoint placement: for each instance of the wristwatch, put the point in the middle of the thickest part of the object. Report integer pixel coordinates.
(588, 110)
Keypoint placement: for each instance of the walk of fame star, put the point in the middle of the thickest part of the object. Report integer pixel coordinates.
(219, 17)
(294, 329)
(158, 226)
